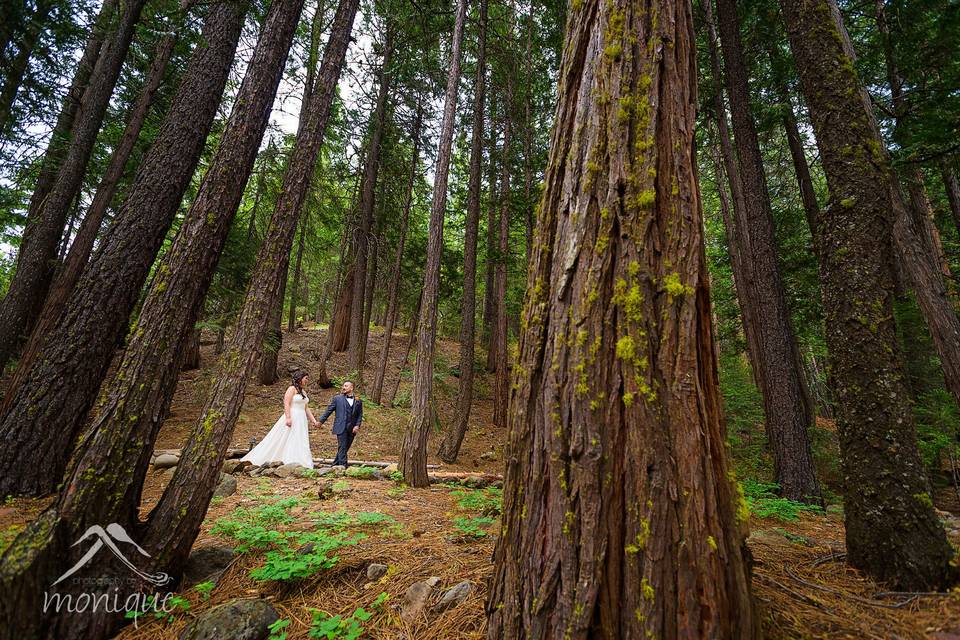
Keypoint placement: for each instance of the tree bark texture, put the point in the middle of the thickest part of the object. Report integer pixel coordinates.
(892, 532)
(500, 333)
(62, 384)
(620, 516)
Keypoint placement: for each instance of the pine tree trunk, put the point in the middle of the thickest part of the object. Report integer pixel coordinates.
(62, 384)
(952, 186)
(359, 330)
(450, 447)
(787, 406)
(801, 168)
(191, 348)
(17, 67)
(411, 337)
(892, 532)
(527, 133)
(499, 339)
(413, 450)
(620, 519)
(37, 257)
(376, 391)
(294, 290)
(491, 232)
(175, 522)
(340, 325)
(82, 245)
(267, 372)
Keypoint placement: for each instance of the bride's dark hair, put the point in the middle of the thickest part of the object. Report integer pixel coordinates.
(298, 381)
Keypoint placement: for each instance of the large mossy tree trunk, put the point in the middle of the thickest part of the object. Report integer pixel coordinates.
(49, 407)
(892, 532)
(413, 449)
(38, 254)
(450, 446)
(620, 515)
(786, 400)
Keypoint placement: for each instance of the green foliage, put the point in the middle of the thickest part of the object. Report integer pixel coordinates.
(278, 629)
(329, 627)
(765, 503)
(475, 527)
(362, 472)
(743, 405)
(204, 589)
(486, 502)
(938, 427)
(315, 554)
(171, 609)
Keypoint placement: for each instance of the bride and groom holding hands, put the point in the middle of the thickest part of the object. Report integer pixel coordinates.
(289, 439)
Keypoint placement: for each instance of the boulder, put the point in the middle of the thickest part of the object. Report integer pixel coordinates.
(227, 487)
(168, 474)
(273, 464)
(390, 469)
(287, 470)
(455, 596)
(236, 466)
(206, 563)
(375, 571)
(165, 461)
(416, 598)
(236, 619)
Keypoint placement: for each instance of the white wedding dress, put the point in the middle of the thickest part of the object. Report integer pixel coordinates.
(283, 443)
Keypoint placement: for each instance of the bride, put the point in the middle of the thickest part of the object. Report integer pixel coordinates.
(288, 440)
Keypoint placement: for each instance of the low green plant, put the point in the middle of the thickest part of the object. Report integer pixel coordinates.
(765, 503)
(397, 476)
(171, 609)
(325, 626)
(204, 589)
(278, 629)
(487, 502)
(289, 563)
(362, 472)
(475, 527)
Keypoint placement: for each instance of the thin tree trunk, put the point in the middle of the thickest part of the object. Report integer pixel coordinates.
(413, 450)
(527, 134)
(892, 532)
(808, 196)
(16, 68)
(62, 384)
(267, 372)
(294, 290)
(491, 233)
(36, 259)
(620, 520)
(499, 339)
(787, 406)
(359, 330)
(82, 245)
(391, 314)
(450, 447)
(411, 337)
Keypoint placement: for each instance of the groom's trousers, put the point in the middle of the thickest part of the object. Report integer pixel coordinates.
(344, 440)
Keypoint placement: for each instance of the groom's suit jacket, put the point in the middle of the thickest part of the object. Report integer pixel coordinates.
(347, 417)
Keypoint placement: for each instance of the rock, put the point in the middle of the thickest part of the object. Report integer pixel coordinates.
(165, 461)
(273, 464)
(236, 466)
(375, 571)
(416, 598)
(338, 468)
(237, 619)
(771, 538)
(489, 455)
(432, 581)
(168, 474)
(206, 563)
(390, 469)
(227, 487)
(341, 489)
(835, 508)
(455, 596)
(253, 472)
(287, 470)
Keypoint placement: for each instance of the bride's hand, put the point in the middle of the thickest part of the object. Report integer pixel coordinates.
(289, 422)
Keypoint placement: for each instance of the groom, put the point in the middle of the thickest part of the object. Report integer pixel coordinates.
(346, 424)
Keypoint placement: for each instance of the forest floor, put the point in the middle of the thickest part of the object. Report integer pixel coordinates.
(802, 585)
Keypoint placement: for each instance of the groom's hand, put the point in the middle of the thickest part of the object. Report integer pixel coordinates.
(356, 429)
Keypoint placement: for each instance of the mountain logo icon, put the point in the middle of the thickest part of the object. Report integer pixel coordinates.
(109, 537)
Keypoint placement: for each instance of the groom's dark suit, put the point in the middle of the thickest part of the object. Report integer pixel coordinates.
(347, 417)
